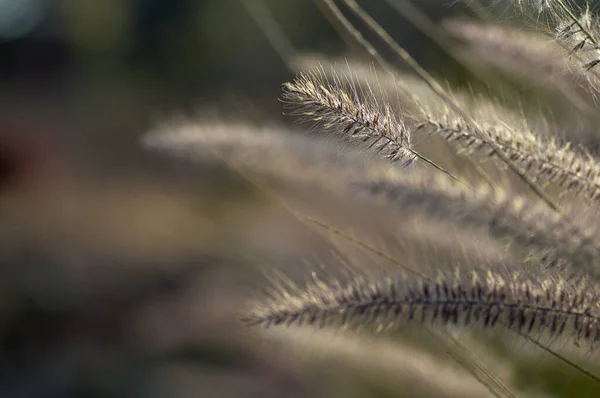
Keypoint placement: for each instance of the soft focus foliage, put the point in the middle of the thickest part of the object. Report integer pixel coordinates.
(290, 198)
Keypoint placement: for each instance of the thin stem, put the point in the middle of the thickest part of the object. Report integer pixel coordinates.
(575, 20)
(358, 37)
(438, 167)
(472, 365)
(271, 29)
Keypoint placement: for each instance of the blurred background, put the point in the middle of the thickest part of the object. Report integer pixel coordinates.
(94, 75)
(123, 271)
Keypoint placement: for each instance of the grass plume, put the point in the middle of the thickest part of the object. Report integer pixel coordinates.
(554, 306)
(527, 224)
(356, 116)
(545, 161)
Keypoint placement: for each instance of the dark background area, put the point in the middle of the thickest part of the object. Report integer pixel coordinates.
(93, 75)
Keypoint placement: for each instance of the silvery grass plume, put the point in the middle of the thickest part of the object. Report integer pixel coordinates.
(527, 225)
(528, 56)
(356, 116)
(552, 306)
(398, 91)
(260, 149)
(545, 160)
(313, 98)
(552, 67)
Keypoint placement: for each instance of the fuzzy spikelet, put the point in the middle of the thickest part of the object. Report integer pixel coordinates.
(577, 29)
(353, 114)
(554, 307)
(518, 51)
(528, 224)
(580, 37)
(546, 162)
(268, 150)
(525, 55)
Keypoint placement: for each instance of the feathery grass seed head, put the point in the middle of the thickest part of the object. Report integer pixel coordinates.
(353, 114)
(554, 307)
(545, 161)
(527, 224)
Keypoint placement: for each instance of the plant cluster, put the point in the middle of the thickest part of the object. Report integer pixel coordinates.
(521, 173)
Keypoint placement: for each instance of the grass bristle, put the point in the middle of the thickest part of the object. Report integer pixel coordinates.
(353, 114)
(556, 307)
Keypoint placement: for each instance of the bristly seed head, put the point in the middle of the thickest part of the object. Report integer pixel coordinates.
(555, 307)
(546, 161)
(356, 116)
